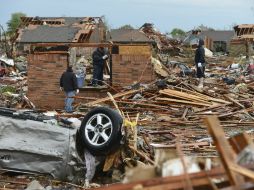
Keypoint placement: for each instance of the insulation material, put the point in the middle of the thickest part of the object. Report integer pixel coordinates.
(90, 165)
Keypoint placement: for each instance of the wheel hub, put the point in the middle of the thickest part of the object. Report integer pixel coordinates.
(99, 129)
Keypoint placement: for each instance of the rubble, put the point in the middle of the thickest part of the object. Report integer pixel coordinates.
(163, 42)
(156, 114)
(164, 135)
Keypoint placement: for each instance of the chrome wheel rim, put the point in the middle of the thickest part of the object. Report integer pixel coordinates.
(98, 129)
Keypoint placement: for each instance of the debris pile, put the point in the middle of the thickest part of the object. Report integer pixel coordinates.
(164, 43)
(184, 172)
(167, 114)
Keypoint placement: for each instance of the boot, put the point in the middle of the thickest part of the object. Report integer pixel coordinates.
(201, 83)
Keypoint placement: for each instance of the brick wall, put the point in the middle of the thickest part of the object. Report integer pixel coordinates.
(129, 66)
(44, 72)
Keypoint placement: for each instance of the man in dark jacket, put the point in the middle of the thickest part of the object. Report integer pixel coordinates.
(68, 83)
(99, 58)
(200, 63)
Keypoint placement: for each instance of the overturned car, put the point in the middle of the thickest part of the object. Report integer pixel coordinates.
(30, 143)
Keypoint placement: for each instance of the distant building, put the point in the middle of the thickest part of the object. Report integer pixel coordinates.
(243, 41)
(215, 40)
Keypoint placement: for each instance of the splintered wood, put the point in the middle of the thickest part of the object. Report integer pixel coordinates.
(179, 110)
(231, 175)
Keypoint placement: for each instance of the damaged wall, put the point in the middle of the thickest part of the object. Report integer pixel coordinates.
(132, 63)
(237, 49)
(44, 72)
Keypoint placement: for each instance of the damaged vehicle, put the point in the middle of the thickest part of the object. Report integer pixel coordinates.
(31, 142)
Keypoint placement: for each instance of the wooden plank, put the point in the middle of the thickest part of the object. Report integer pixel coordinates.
(110, 161)
(183, 95)
(183, 101)
(233, 113)
(212, 107)
(205, 96)
(188, 185)
(182, 145)
(243, 171)
(115, 104)
(185, 113)
(118, 95)
(51, 52)
(142, 104)
(223, 147)
(172, 182)
(142, 155)
(234, 101)
(240, 141)
(247, 186)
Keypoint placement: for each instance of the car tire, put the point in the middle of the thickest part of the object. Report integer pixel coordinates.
(101, 130)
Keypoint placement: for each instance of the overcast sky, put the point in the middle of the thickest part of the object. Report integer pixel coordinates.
(165, 14)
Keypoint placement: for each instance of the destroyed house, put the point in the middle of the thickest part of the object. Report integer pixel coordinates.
(55, 43)
(62, 29)
(164, 44)
(242, 43)
(131, 56)
(215, 40)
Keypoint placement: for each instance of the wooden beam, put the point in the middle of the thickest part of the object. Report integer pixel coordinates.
(118, 95)
(234, 101)
(240, 141)
(71, 44)
(183, 101)
(170, 183)
(223, 147)
(243, 171)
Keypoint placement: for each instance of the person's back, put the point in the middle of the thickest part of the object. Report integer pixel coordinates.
(97, 56)
(68, 81)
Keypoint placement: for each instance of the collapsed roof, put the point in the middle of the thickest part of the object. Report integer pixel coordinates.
(61, 29)
(164, 43)
(127, 36)
(244, 31)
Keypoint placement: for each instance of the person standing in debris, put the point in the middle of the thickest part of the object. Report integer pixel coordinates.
(200, 63)
(68, 83)
(99, 57)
